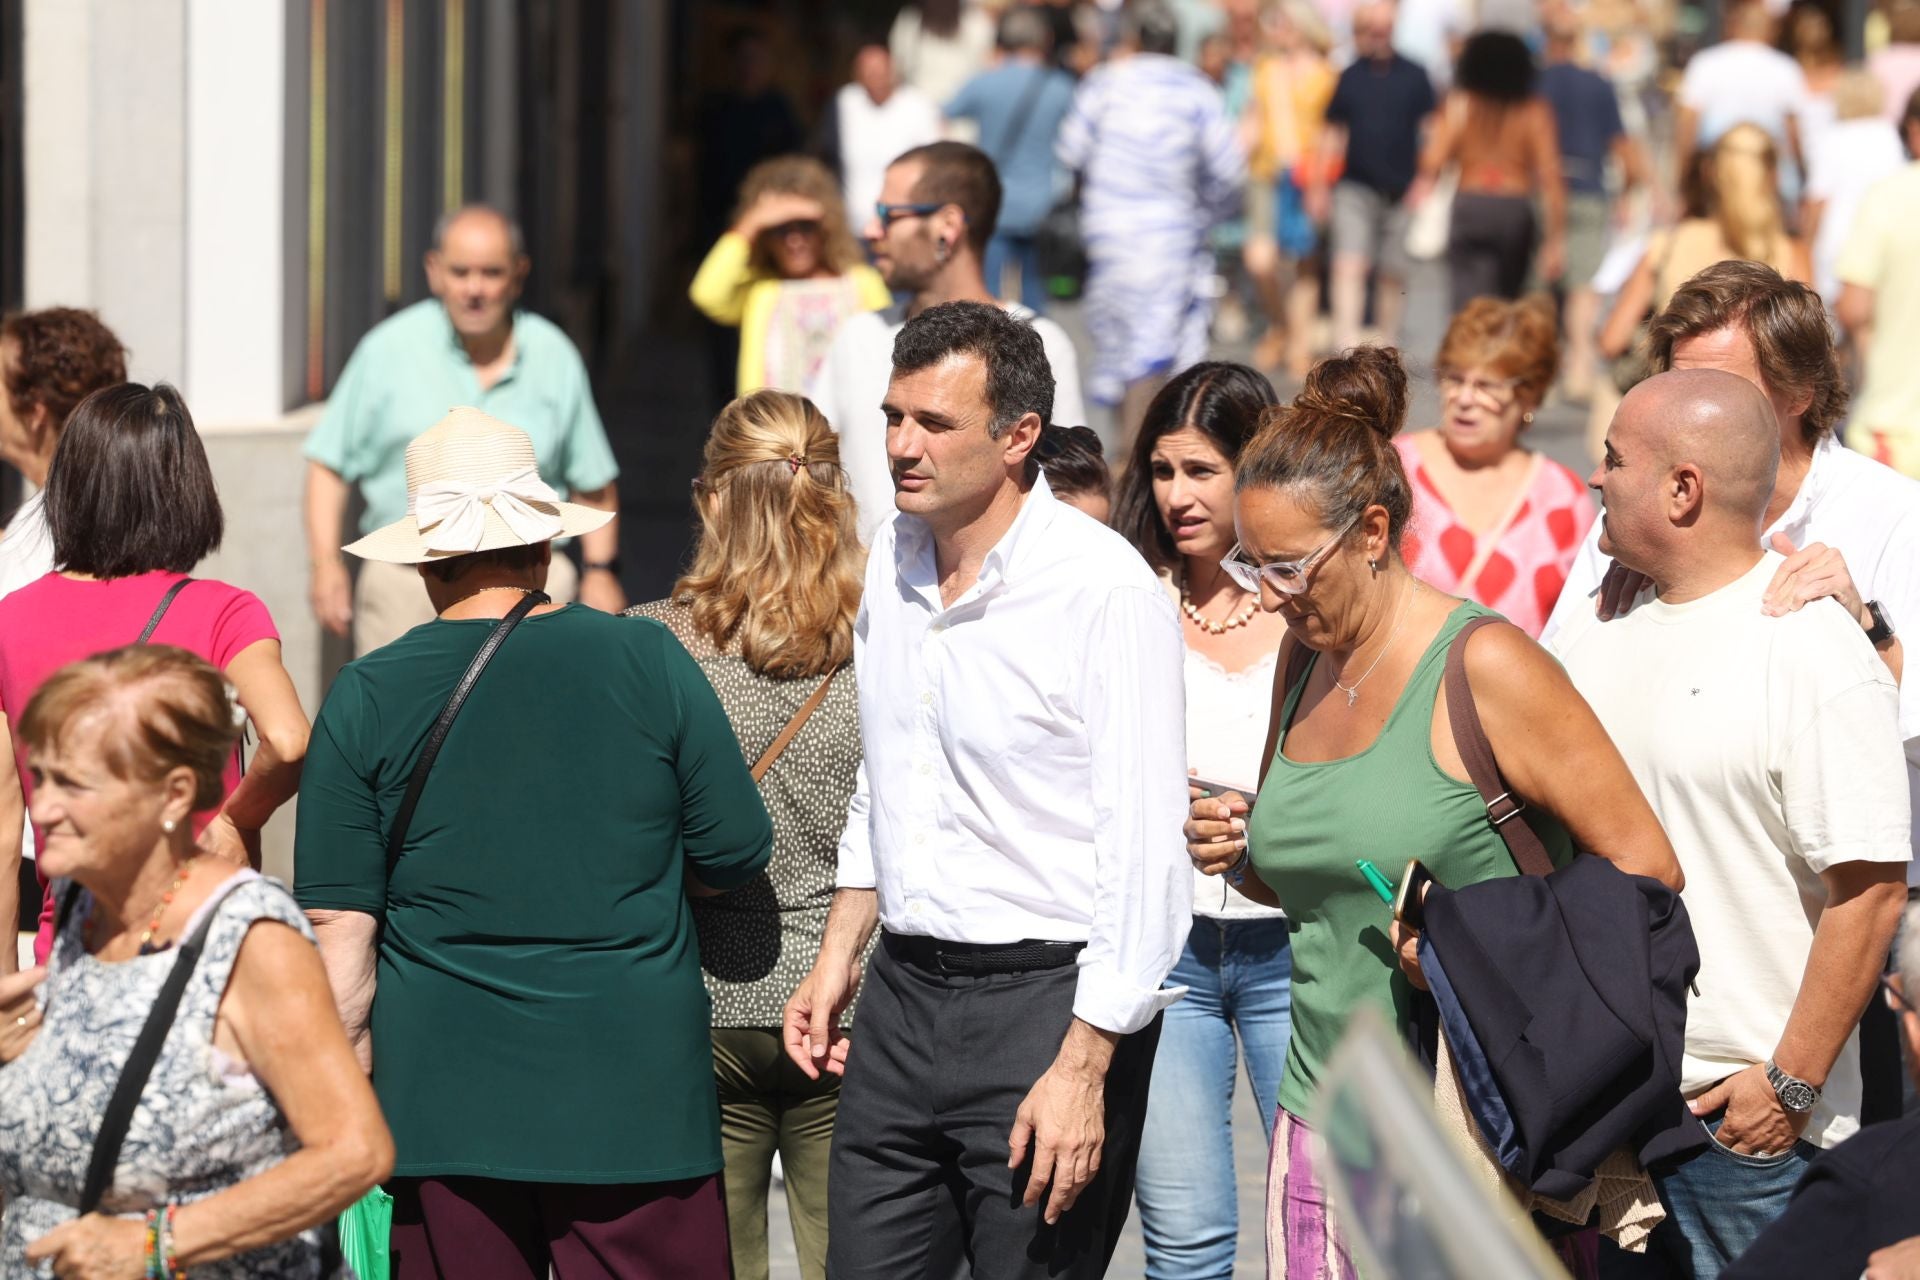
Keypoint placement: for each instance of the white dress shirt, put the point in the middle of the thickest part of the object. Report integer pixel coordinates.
(1866, 511)
(1025, 754)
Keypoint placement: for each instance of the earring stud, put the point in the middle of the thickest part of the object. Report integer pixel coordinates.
(167, 825)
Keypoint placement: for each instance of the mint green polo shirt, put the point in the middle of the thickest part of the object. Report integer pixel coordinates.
(410, 369)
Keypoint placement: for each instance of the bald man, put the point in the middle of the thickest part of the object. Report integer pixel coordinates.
(1769, 747)
(467, 344)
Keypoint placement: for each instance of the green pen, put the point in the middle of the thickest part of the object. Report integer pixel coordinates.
(1378, 881)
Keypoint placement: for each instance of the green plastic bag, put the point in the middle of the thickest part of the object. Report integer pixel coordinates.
(364, 1231)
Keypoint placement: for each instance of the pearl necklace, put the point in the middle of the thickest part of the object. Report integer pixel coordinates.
(1211, 627)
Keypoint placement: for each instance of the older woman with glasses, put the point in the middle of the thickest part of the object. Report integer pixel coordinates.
(1360, 759)
(1493, 521)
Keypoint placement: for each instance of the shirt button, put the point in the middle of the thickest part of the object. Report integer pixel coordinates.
(926, 697)
(913, 908)
(919, 837)
(925, 768)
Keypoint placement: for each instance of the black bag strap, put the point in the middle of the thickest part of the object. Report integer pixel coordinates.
(160, 610)
(140, 1063)
(1504, 809)
(397, 834)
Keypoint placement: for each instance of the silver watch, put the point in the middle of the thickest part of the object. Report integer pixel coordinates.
(1795, 1094)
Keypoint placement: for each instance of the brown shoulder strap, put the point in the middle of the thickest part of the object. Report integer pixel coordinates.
(1283, 680)
(1504, 810)
(807, 708)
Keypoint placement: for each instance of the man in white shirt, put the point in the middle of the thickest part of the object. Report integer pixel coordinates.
(875, 118)
(1879, 272)
(1848, 526)
(1768, 744)
(941, 204)
(1743, 79)
(1015, 834)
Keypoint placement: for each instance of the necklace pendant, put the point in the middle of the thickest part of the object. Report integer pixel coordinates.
(1353, 696)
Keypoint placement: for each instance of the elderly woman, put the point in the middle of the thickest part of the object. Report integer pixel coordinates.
(786, 273)
(767, 611)
(132, 508)
(1360, 760)
(509, 936)
(1494, 522)
(268, 1126)
(1176, 507)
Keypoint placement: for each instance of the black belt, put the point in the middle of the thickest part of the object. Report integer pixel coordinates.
(936, 955)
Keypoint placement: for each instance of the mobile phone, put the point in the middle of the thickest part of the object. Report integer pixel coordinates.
(1213, 788)
(1408, 901)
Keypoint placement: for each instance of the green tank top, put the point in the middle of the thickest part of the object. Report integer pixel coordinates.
(1391, 803)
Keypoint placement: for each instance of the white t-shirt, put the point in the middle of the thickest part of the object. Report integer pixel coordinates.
(1867, 511)
(26, 555)
(1769, 749)
(873, 135)
(1843, 160)
(852, 383)
(1743, 81)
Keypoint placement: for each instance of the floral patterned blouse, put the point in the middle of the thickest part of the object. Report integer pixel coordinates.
(1521, 573)
(203, 1123)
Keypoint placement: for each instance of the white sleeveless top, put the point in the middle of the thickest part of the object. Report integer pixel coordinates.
(1226, 730)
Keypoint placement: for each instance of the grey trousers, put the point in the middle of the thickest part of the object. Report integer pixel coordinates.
(919, 1183)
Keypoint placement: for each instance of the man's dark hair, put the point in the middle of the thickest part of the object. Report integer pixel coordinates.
(512, 559)
(1019, 379)
(130, 490)
(1497, 66)
(955, 173)
(1074, 460)
(1785, 321)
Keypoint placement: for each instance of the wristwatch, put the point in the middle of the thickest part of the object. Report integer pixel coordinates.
(1795, 1094)
(1882, 629)
(611, 566)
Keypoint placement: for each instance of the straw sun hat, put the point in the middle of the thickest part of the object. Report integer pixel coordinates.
(473, 484)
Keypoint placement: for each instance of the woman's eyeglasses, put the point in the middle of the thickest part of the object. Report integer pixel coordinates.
(1288, 577)
(1490, 393)
(798, 227)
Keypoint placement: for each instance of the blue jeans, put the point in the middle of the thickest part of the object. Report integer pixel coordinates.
(1717, 1204)
(1237, 977)
(1005, 250)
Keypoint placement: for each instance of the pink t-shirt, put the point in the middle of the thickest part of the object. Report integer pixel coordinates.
(1521, 575)
(57, 620)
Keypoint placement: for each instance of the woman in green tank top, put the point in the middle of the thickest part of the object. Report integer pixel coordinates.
(1360, 759)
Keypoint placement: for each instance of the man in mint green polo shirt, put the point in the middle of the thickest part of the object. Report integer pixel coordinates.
(466, 345)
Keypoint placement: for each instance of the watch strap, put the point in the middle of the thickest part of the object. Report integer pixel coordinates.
(1788, 1088)
(1882, 629)
(611, 566)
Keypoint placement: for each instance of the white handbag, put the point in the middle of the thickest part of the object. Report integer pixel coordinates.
(1428, 227)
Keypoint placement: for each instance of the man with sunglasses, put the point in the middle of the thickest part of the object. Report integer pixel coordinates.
(928, 236)
(1857, 1212)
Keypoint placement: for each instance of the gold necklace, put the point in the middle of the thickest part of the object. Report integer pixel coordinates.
(1353, 690)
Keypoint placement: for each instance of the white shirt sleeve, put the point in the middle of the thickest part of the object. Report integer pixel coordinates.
(855, 869)
(1135, 710)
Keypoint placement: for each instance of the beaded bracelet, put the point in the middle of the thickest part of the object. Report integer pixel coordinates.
(170, 1268)
(155, 1267)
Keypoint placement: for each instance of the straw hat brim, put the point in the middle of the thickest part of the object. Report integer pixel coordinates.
(401, 543)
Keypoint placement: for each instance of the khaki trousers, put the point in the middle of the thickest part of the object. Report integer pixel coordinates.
(389, 600)
(767, 1105)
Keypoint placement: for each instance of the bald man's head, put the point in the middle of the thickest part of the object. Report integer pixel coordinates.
(1691, 454)
(1718, 421)
(476, 267)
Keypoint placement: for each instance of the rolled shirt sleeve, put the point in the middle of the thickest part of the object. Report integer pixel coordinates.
(1135, 713)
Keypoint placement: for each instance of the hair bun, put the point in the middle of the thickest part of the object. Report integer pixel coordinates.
(1367, 384)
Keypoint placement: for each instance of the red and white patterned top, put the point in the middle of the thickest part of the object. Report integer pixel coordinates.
(1522, 577)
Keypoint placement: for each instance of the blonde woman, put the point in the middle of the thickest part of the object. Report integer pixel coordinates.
(787, 273)
(1742, 218)
(767, 611)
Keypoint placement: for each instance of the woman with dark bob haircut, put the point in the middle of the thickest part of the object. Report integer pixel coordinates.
(132, 508)
(1176, 506)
